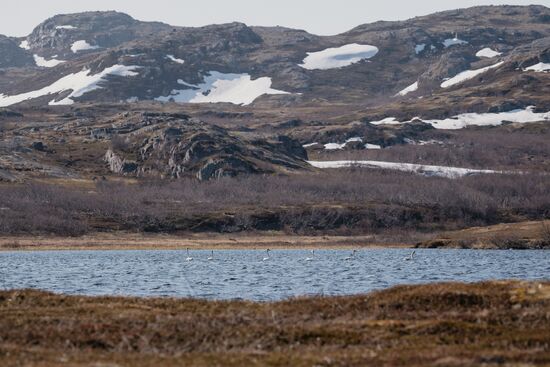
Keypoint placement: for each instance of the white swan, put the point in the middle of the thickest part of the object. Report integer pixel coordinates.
(352, 256)
(312, 256)
(410, 257)
(211, 257)
(189, 258)
(267, 257)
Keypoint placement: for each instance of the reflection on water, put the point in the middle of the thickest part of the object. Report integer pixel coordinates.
(234, 274)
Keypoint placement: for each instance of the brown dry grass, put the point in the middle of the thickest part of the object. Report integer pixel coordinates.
(491, 323)
(523, 235)
(137, 241)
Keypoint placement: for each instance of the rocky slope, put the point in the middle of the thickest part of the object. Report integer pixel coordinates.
(138, 144)
(248, 97)
(172, 146)
(179, 63)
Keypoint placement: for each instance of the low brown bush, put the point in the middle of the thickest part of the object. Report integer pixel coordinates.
(339, 201)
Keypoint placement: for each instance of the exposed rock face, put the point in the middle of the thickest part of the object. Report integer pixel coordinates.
(11, 55)
(448, 65)
(103, 29)
(119, 165)
(190, 148)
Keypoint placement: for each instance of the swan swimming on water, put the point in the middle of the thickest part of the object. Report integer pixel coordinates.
(211, 257)
(312, 256)
(410, 257)
(267, 257)
(352, 256)
(189, 258)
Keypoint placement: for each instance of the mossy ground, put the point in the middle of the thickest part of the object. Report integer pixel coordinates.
(453, 324)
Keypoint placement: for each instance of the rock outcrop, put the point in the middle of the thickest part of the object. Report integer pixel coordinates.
(184, 148)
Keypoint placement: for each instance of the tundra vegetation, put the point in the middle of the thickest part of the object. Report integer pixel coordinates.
(492, 323)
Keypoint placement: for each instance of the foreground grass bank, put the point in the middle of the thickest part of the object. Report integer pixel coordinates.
(491, 323)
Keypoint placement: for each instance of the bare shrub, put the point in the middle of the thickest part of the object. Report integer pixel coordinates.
(335, 201)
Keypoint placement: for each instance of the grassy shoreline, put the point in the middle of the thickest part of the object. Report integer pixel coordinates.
(206, 241)
(520, 235)
(450, 324)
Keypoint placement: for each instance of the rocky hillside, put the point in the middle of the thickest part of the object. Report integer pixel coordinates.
(137, 144)
(100, 93)
(108, 56)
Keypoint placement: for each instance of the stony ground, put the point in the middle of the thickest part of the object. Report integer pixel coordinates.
(493, 323)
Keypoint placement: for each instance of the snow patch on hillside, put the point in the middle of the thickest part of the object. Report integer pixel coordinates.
(65, 27)
(419, 48)
(467, 75)
(25, 45)
(477, 119)
(386, 121)
(175, 59)
(454, 42)
(488, 53)
(219, 87)
(427, 170)
(82, 45)
(539, 68)
(42, 62)
(373, 146)
(339, 57)
(411, 88)
(182, 82)
(309, 145)
(337, 146)
(78, 83)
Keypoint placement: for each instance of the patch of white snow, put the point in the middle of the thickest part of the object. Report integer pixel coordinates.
(478, 119)
(25, 45)
(41, 61)
(467, 75)
(65, 27)
(411, 88)
(219, 87)
(539, 68)
(82, 45)
(338, 57)
(419, 48)
(182, 82)
(309, 145)
(78, 83)
(386, 121)
(488, 53)
(334, 146)
(337, 146)
(175, 59)
(428, 170)
(453, 42)
(372, 146)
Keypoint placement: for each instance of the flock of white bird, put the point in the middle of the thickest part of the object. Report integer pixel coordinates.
(309, 258)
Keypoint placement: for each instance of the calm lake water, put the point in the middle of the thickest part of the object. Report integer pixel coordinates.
(236, 274)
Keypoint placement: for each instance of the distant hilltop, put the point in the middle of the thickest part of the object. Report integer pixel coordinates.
(473, 55)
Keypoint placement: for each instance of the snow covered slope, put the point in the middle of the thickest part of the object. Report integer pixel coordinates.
(439, 171)
(338, 57)
(467, 75)
(78, 83)
(220, 87)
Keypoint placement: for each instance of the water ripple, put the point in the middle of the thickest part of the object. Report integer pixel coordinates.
(241, 274)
